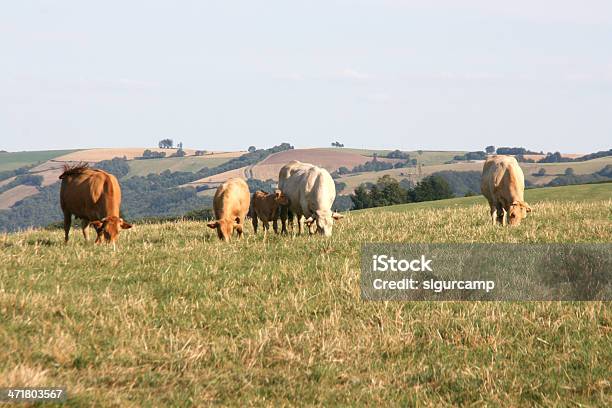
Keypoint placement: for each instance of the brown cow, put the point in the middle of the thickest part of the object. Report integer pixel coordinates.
(503, 184)
(231, 205)
(94, 196)
(266, 206)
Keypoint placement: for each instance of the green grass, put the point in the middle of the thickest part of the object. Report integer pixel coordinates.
(14, 160)
(176, 318)
(189, 164)
(577, 193)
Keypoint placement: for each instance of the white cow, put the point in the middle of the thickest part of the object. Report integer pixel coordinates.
(311, 192)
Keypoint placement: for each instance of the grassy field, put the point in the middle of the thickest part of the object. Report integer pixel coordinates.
(190, 164)
(176, 318)
(582, 192)
(14, 160)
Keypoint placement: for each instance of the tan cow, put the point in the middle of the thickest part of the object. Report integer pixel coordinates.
(503, 184)
(231, 206)
(265, 207)
(94, 196)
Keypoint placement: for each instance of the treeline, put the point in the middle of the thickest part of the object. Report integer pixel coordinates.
(570, 178)
(389, 191)
(558, 158)
(6, 174)
(24, 179)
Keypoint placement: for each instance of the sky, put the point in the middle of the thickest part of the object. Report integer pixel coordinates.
(223, 75)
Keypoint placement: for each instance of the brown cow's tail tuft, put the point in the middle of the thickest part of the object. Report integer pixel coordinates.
(71, 170)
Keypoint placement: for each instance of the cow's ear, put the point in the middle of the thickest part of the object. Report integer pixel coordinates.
(278, 194)
(527, 207)
(96, 224)
(213, 224)
(337, 216)
(125, 225)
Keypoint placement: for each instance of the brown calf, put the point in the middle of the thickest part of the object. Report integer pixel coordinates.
(266, 207)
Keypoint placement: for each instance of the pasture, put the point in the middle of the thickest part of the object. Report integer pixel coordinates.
(176, 317)
(15, 160)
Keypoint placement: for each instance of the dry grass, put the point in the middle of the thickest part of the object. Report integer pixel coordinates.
(175, 317)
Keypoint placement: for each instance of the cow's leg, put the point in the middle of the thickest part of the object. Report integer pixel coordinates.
(290, 218)
(283, 216)
(67, 223)
(275, 225)
(85, 226)
(500, 214)
(299, 220)
(266, 225)
(493, 214)
(239, 230)
(254, 220)
(504, 214)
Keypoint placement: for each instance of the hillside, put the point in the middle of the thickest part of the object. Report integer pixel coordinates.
(14, 160)
(529, 169)
(174, 315)
(330, 159)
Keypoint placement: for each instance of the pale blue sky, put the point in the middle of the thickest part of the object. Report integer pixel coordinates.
(372, 73)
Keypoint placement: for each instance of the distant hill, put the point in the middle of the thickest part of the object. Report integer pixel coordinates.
(173, 185)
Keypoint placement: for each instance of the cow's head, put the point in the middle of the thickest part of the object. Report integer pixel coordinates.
(224, 228)
(518, 211)
(109, 227)
(280, 198)
(324, 221)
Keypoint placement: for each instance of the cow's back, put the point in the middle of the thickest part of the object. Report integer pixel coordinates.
(502, 179)
(232, 199)
(293, 182)
(320, 190)
(90, 194)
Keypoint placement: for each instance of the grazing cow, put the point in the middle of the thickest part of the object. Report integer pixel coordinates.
(94, 196)
(503, 184)
(311, 192)
(285, 172)
(265, 207)
(231, 206)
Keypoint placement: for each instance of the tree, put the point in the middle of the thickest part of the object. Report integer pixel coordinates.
(179, 153)
(166, 144)
(200, 152)
(337, 144)
(490, 149)
(569, 171)
(432, 188)
(252, 149)
(541, 172)
(361, 198)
